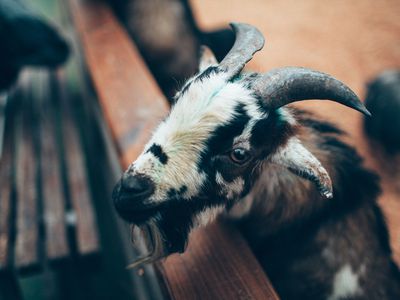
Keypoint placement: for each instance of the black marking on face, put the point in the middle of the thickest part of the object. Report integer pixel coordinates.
(176, 219)
(173, 193)
(185, 88)
(221, 139)
(207, 73)
(158, 152)
(271, 132)
(262, 106)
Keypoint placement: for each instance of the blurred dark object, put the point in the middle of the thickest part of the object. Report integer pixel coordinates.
(26, 40)
(383, 101)
(169, 39)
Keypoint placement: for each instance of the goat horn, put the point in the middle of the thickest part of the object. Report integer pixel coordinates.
(286, 85)
(248, 41)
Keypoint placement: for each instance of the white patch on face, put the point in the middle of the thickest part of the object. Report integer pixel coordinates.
(165, 178)
(207, 216)
(229, 189)
(206, 105)
(256, 115)
(345, 284)
(243, 140)
(286, 116)
(254, 111)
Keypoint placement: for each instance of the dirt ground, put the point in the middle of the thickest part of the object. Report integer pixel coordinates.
(352, 40)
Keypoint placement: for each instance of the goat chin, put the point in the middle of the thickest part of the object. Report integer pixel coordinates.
(154, 243)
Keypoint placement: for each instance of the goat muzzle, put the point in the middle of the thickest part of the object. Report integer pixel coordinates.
(131, 196)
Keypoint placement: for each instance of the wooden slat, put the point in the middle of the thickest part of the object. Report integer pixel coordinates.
(6, 169)
(218, 261)
(77, 181)
(52, 190)
(218, 264)
(131, 100)
(27, 239)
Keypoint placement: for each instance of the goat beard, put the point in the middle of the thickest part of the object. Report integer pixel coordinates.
(154, 244)
(168, 231)
(157, 243)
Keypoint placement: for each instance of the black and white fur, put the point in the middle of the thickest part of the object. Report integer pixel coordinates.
(223, 150)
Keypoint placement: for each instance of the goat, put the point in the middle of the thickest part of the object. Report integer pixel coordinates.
(168, 37)
(383, 100)
(231, 147)
(26, 40)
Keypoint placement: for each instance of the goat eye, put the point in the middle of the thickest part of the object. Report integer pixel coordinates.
(239, 155)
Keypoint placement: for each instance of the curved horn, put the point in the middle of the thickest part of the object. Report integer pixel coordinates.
(286, 85)
(248, 41)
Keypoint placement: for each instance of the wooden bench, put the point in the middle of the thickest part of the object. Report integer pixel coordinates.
(218, 263)
(46, 212)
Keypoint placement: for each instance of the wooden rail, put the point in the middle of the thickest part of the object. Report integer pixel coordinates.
(218, 263)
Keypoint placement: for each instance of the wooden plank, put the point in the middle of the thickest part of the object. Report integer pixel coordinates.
(27, 235)
(56, 243)
(131, 100)
(218, 264)
(218, 261)
(6, 171)
(83, 216)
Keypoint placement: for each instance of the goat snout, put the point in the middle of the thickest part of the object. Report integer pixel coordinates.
(130, 198)
(137, 186)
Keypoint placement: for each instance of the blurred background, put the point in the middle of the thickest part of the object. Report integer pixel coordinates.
(51, 124)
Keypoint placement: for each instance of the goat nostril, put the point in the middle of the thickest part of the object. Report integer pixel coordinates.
(136, 184)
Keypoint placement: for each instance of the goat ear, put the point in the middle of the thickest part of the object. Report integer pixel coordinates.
(297, 159)
(207, 58)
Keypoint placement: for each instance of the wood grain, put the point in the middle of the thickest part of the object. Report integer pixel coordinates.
(218, 262)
